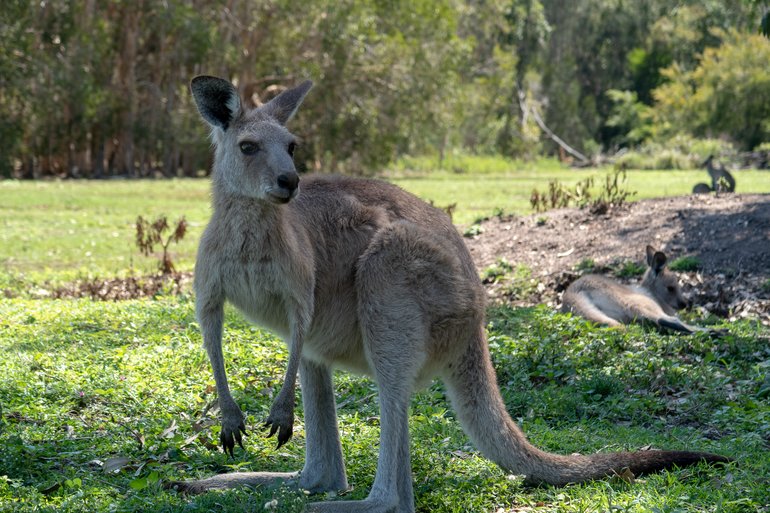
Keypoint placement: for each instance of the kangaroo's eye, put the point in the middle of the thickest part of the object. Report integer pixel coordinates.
(249, 148)
(671, 289)
(290, 148)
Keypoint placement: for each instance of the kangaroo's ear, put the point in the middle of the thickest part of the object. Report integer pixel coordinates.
(283, 106)
(657, 261)
(650, 251)
(217, 100)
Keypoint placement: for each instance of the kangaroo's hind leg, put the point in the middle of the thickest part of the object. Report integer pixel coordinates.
(387, 342)
(395, 329)
(584, 307)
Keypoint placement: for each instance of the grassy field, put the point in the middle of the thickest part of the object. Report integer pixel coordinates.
(100, 402)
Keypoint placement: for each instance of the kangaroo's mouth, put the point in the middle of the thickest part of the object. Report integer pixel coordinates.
(281, 196)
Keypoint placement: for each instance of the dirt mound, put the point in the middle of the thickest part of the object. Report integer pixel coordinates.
(729, 236)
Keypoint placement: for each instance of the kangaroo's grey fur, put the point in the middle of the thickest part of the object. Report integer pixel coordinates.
(361, 275)
(655, 300)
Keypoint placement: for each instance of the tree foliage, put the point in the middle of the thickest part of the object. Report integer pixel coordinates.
(726, 95)
(99, 87)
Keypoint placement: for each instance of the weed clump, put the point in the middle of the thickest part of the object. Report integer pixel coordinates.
(612, 193)
(149, 234)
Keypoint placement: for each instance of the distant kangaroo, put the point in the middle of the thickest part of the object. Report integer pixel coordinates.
(357, 274)
(721, 179)
(655, 300)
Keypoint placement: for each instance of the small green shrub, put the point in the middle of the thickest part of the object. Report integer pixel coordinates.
(612, 193)
(496, 271)
(560, 196)
(585, 265)
(685, 264)
(521, 285)
(630, 270)
(473, 230)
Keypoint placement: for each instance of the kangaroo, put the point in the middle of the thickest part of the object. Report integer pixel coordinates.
(721, 179)
(701, 188)
(655, 300)
(357, 274)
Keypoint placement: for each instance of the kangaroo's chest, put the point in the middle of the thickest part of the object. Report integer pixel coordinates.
(255, 289)
(254, 272)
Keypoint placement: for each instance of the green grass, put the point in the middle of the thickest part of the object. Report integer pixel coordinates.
(62, 230)
(85, 383)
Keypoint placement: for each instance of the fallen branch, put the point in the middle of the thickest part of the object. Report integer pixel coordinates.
(558, 140)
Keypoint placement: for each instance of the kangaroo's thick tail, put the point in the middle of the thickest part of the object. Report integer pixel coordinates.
(472, 387)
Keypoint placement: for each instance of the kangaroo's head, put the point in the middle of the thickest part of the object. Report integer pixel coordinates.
(661, 283)
(254, 150)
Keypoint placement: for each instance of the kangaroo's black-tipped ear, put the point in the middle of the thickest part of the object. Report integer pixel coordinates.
(283, 106)
(217, 100)
(649, 251)
(656, 259)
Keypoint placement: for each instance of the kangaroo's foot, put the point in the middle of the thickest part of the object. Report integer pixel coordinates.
(235, 480)
(365, 506)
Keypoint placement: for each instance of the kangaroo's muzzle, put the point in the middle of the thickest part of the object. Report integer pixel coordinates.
(287, 187)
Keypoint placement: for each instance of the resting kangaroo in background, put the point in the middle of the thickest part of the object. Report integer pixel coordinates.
(361, 275)
(603, 300)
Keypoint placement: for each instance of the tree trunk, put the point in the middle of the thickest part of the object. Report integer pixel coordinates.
(127, 87)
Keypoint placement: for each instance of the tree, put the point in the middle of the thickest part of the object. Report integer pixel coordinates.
(726, 95)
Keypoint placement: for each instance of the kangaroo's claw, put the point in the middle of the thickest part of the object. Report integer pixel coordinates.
(231, 433)
(284, 429)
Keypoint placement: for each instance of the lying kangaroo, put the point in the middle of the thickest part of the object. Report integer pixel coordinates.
(655, 300)
(362, 275)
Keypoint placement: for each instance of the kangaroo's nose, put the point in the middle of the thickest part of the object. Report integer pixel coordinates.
(288, 181)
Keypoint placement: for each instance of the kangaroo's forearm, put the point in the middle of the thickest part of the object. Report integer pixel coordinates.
(281, 419)
(290, 378)
(212, 321)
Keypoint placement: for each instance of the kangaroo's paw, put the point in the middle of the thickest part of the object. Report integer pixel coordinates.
(233, 428)
(281, 419)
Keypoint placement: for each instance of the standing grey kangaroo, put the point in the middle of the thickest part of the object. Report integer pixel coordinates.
(655, 300)
(360, 275)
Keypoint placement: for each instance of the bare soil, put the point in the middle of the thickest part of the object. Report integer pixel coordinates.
(729, 235)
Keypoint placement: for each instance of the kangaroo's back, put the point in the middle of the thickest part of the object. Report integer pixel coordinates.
(333, 205)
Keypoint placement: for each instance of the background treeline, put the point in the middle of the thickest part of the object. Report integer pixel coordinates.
(99, 88)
